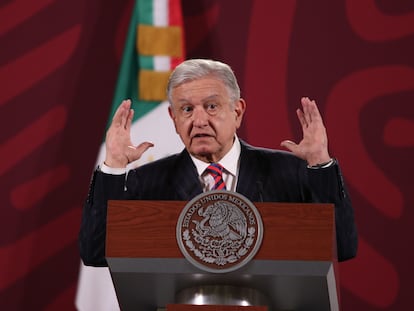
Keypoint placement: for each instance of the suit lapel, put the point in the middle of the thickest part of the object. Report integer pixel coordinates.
(251, 175)
(186, 180)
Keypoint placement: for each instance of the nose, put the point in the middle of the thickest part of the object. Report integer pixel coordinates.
(200, 117)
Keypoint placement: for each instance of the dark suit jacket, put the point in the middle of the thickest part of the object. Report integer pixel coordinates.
(265, 175)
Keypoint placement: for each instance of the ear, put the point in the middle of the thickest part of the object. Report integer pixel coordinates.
(239, 108)
(173, 117)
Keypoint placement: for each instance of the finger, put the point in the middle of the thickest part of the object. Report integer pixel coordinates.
(301, 118)
(137, 151)
(306, 113)
(126, 105)
(314, 111)
(129, 119)
(120, 112)
(144, 146)
(289, 145)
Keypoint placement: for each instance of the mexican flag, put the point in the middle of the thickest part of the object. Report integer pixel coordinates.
(153, 47)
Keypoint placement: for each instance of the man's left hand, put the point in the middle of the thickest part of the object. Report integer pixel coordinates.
(314, 146)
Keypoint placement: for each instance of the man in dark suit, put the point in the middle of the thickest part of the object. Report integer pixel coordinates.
(207, 110)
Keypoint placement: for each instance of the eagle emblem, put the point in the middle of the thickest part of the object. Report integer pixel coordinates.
(222, 219)
(219, 231)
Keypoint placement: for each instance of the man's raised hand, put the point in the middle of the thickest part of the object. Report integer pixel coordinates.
(314, 146)
(119, 148)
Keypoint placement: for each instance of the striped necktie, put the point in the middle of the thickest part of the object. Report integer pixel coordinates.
(216, 170)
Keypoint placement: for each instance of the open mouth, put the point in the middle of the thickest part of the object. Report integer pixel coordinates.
(201, 135)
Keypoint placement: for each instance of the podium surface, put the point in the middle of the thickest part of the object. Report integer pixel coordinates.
(294, 267)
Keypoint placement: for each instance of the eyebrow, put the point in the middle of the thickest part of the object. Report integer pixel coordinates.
(185, 101)
(210, 97)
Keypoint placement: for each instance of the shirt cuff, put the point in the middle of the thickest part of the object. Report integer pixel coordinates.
(323, 165)
(112, 170)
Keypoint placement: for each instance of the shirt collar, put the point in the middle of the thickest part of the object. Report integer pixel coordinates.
(229, 161)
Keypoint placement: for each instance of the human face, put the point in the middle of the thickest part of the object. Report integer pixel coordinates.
(205, 117)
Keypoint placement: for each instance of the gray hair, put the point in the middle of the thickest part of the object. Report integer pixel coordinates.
(194, 69)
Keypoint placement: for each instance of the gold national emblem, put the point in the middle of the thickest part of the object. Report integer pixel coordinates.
(219, 231)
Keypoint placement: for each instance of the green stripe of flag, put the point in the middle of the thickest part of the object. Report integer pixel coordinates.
(127, 84)
(145, 12)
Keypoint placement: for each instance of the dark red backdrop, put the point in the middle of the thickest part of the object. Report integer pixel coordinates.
(58, 67)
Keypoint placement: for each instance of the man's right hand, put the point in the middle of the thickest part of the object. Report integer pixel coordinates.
(119, 149)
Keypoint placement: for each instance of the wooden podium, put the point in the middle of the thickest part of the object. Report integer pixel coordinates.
(295, 268)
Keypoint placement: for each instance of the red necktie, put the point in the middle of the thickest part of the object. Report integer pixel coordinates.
(216, 170)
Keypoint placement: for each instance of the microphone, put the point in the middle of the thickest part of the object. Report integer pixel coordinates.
(260, 190)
